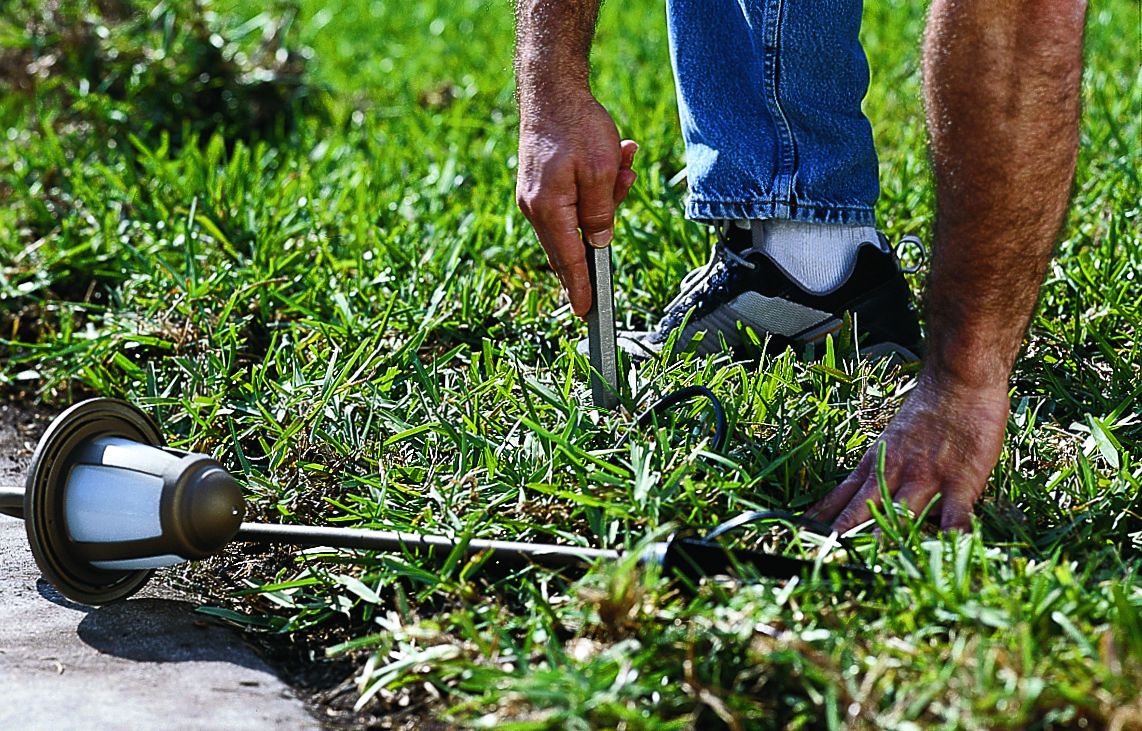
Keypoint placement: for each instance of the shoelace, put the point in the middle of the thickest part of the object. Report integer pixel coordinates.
(695, 277)
(721, 251)
(718, 252)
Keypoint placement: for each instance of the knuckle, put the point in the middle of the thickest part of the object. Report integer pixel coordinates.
(576, 265)
(535, 206)
(844, 522)
(530, 205)
(595, 220)
(598, 170)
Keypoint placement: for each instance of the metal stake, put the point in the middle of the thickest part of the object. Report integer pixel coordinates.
(601, 329)
(682, 554)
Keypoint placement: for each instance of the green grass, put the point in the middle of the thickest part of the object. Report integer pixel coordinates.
(358, 321)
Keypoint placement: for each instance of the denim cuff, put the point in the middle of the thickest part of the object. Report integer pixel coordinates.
(806, 211)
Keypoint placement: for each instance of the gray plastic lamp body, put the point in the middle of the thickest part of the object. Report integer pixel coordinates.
(106, 502)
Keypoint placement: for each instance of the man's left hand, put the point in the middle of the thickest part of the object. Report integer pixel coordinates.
(945, 441)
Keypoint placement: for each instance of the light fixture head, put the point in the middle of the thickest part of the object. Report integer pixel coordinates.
(106, 502)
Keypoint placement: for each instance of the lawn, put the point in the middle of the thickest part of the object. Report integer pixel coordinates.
(351, 314)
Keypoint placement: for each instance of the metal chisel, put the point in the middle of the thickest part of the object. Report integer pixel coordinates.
(601, 329)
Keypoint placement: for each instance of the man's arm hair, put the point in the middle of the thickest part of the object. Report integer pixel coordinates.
(553, 48)
(573, 167)
(1002, 88)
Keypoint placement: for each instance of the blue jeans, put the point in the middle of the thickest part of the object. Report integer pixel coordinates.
(769, 95)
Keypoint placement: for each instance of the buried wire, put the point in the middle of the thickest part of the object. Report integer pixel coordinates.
(702, 556)
(683, 395)
(756, 516)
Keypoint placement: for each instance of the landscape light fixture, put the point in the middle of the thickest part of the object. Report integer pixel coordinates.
(106, 503)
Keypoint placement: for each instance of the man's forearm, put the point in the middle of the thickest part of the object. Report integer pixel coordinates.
(573, 168)
(1002, 90)
(553, 48)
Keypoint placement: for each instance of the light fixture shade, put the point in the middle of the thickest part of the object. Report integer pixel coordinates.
(130, 505)
(106, 502)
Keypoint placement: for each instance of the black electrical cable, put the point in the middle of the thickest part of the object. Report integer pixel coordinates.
(683, 553)
(756, 516)
(770, 564)
(701, 554)
(681, 396)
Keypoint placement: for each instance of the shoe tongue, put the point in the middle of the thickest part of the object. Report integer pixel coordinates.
(738, 239)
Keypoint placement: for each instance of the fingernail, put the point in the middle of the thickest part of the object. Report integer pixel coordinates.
(601, 239)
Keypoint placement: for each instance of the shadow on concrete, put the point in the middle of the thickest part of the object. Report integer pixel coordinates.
(49, 592)
(155, 630)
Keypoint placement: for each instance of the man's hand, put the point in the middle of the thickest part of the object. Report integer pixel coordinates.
(944, 441)
(573, 172)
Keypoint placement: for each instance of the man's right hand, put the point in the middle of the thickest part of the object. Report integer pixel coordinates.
(573, 172)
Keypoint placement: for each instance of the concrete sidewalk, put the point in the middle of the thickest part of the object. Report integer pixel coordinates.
(145, 663)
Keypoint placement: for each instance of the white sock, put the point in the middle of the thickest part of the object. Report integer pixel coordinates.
(817, 256)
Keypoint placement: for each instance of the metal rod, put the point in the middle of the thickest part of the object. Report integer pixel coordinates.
(688, 556)
(376, 540)
(11, 496)
(601, 329)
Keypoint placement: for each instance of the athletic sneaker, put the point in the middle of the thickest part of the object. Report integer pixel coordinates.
(741, 287)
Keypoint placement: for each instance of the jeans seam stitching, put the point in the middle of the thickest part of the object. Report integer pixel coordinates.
(698, 209)
(786, 143)
(783, 201)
